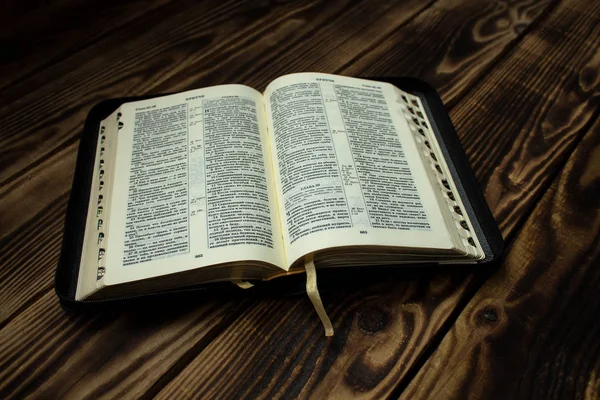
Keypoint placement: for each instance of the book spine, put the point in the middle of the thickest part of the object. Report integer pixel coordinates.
(415, 115)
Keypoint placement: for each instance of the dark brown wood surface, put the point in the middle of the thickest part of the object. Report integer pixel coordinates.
(521, 80)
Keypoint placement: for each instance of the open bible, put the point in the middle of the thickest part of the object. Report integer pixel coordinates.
(229, 184)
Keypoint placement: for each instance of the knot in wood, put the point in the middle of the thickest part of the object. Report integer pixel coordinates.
(490, 315)
(520, 28)
(372, 319)
(487, 316)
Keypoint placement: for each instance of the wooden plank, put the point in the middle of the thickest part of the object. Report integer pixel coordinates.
(278, 349)
(48, 353)
(317, 40)
(158, 53)
(369, 362)
(532, 330)
(452, 44)
(53, 175)
(35, 37)
(34, 207)
(516, 143)
(32, 192)
(28, 270)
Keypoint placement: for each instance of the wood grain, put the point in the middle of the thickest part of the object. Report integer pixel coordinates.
(278, 349)
(48, 353)
(532, 330)
(320, 38)
(53, 178)
(518, 137)
(29, 258)
(452, 43)
(29, 35)
(34, 207)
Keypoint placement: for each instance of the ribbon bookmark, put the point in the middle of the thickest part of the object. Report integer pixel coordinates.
(313, 294)
(242, 284)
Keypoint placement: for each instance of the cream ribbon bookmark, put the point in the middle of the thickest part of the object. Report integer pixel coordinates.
(313, 294)
(242, 284)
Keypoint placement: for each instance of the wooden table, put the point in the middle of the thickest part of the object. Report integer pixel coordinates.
(521, 80)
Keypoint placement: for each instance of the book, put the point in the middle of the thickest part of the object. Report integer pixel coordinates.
(227, 184)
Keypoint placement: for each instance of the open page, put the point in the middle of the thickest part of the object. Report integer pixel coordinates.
(346, 167)
(194, 185)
